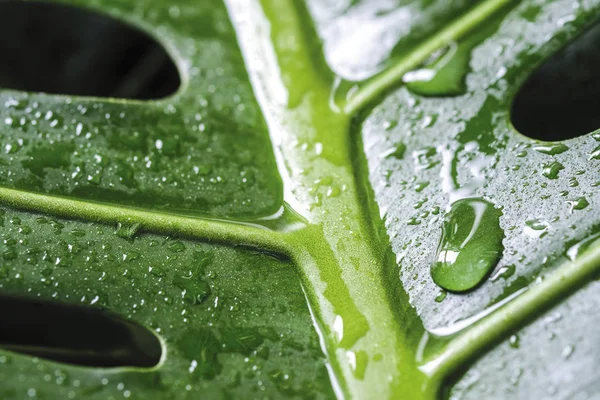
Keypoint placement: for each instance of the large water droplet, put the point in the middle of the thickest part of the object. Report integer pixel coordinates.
(470, 246)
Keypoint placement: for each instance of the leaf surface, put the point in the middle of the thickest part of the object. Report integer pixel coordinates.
(322, 153)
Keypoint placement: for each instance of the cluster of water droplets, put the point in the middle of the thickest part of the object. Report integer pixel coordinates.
(223, 331)
(499, 197)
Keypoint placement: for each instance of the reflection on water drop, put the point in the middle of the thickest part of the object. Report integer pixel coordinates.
(470, 246)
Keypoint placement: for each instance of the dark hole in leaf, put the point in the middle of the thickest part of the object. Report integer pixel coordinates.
(60, 49)
(561, 100)
(74, 334)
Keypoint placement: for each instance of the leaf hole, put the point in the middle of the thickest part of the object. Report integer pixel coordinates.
(75, 334)
(61, 49)
(561, 99)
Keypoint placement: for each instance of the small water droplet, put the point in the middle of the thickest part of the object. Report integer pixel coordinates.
(579, 204)
(595, 154)
(573, 182)
(176, 247)
(441, 296)
(504, 272)
(580, 248)
(521, 154)
(396, 152)
(567, 351)
(424, 157)
(127, 230)
(420, 186)
(551, 170)
(535, 228)
(513, 341)
(413, 221)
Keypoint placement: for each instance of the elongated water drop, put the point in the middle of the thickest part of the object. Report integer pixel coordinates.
(582, 247)
(470, 246)
(551, 149)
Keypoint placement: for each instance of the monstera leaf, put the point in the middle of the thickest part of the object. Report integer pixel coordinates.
(319, 199)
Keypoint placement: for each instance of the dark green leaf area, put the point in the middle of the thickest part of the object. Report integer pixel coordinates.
(204, 151)
(234, 324)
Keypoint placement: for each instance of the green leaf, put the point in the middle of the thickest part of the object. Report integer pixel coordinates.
(292, 167)
(231, 322)
(172, 155)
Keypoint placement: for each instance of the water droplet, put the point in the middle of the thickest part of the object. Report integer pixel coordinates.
(441, 296)
(389, 125)
(573, 182)
(504, 272)
(580, 248)
(127, 230)
(567, 351)
(424, 157)
(177, 247)
(579, 204)
(470, 246)
(535, 228)
(193, 292)
(551, 149)
(420, 186)
(396, 152)
(551, 170)
(358, 361)
(413, 221)
(595, 154)
(444, 73)
(513, 341)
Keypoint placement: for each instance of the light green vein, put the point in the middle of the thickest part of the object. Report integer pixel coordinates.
(194, 228)
(514, 315)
